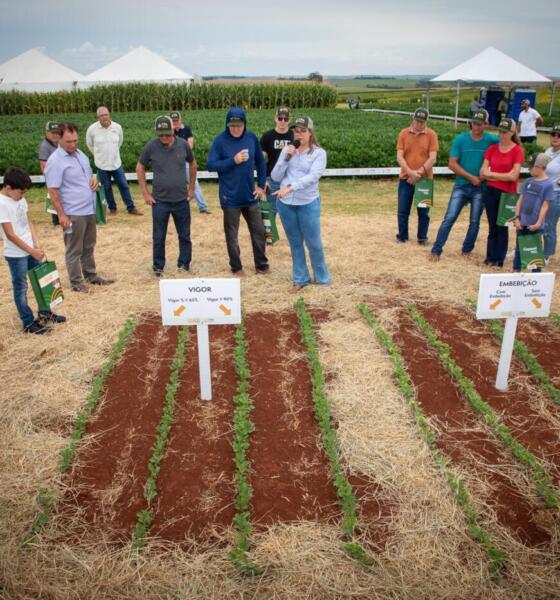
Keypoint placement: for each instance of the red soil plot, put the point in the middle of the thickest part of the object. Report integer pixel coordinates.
(543, 340)
(108, 477)
(460, 438)
(195, 485)
(466, 336)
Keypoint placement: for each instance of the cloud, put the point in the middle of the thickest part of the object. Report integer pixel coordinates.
(88, 57)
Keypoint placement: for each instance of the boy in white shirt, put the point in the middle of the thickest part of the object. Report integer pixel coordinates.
(21, 247)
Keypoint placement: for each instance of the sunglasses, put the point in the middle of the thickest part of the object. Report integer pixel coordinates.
(555, 134)
(286, 119)
(300, 129)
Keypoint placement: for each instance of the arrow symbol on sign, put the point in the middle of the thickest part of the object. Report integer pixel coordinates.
(536, 303)
(495, 305)
(225, 310)
(178, 312)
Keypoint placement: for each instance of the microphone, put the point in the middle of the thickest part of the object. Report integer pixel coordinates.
(296, 144)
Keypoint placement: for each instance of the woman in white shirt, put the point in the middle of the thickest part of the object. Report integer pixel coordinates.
(298, 170)
(553, 173)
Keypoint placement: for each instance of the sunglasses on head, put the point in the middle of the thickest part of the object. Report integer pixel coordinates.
(286, 119)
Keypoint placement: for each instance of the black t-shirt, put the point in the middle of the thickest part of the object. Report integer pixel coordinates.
(184, 132)
(273, 143)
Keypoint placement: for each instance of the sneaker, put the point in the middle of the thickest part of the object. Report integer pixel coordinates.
(52, 318)
(205, 211)
(158, 273)
(100, 281)
(80, 287)
(238, 273)
(183, 268)
(113, 213)
(269, 242)
(135, 212)
(263, 270)
(36, 327)
(399, 240)
(423, 242)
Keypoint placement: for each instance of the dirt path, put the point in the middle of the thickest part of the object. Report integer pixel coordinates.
(110, 472)
(461, 437)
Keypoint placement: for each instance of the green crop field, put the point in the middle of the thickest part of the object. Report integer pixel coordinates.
(352, 139)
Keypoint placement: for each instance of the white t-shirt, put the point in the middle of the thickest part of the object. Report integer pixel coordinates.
(527, 120)
(105, 143)
(15, 212)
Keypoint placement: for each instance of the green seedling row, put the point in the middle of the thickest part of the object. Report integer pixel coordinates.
(242, 428)
(46, 499)
(542, 480)
(144, 517)
(495, 555)
(346, 497)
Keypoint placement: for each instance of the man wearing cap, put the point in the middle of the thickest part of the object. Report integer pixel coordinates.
(104, 139)
(234, 154)
(465, 159)
(184, 131)
(46, 148)
(273, 142)
(171, 193)
(417, 148)
(527, 122)
(72, 186)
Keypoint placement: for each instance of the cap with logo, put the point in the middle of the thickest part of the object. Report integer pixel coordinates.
(303, 123)
(52, 127)
(164, 126)
(507, 125)
(175, 115)
(421, 114)
(283, 111)
(480, 116)
(556, 128)
(539, 160)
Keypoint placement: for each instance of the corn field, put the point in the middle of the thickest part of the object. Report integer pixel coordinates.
(131, 97)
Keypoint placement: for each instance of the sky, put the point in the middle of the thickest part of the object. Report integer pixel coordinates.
(288, 38)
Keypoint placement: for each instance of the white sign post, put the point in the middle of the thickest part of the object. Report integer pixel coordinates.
(201, 302)
(509, 297)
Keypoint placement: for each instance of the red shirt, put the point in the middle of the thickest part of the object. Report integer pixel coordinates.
(502, 162)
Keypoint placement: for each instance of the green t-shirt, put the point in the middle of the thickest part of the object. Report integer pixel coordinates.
(470, 153)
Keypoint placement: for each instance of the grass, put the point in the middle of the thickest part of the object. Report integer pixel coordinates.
(542, 480)
(496, 556)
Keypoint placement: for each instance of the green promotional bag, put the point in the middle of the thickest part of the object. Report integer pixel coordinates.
(269, 221)
(531, 251)
(506, 211)
(49, 206)
(45, 282)
(100, 207)
(424, 193)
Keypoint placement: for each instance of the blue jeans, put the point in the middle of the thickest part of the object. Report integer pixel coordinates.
(18, 270)
(302, 225)
(517, 257)
(197, 194)
(105, 178)
(498, 236)
(550, 224)
(405, 196)
(460, 197)
(181, 213)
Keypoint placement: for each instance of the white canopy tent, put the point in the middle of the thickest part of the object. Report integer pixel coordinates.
(493, 66)
(33, 71)
(140, 65)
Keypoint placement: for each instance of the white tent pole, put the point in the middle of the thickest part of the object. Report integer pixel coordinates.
(552, 96)
(457, 102)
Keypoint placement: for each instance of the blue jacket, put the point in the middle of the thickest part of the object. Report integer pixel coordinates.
(237, 181)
